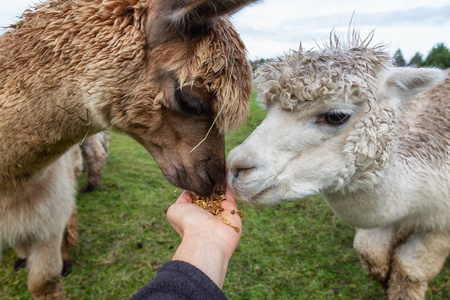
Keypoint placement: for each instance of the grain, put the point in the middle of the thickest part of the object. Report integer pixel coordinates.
(214, 206)
(211, 204)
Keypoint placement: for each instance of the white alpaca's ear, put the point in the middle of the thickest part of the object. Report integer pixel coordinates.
(408, 82)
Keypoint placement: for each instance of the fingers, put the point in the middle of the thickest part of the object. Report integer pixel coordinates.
(185, 197)
(173, 213)
(184, 216)
(230, 202)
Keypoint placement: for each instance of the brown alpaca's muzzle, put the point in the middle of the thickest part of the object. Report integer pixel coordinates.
(186, 159)
(202, 179)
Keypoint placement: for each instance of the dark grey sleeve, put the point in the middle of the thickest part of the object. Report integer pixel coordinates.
(179, 280)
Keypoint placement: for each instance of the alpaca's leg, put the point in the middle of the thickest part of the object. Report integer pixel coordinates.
(45, 264)
(106, 139)
(95, 156)
(417, 262)
(77, 161)
(70, 239)
(374, 249)
(23, 251)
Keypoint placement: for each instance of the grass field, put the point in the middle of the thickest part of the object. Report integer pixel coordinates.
(295, 250)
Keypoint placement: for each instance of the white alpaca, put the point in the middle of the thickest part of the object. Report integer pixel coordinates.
(346, 123)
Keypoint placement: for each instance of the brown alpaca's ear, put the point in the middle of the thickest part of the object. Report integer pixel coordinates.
(185, 19)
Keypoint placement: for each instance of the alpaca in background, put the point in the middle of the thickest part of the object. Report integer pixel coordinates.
(95, 154)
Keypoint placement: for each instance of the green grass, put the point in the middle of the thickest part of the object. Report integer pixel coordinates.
(296, 250)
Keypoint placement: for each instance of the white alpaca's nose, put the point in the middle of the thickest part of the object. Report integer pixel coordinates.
(238, 170)
(239, 162)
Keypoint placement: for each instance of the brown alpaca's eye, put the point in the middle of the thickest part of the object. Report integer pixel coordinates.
(336, 118)
(189, 103)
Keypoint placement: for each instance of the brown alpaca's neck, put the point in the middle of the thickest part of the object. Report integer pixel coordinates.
(36, 131)
(66, 65)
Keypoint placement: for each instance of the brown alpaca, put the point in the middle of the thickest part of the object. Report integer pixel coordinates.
(95, 153)
(168, 73)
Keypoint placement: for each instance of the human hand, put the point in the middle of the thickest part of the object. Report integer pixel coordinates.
(207, 242)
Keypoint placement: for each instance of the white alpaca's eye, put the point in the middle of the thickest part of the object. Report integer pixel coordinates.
(334, 118)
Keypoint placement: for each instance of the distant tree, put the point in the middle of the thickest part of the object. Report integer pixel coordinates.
(416, 60)
(398, 59)
(258, 62)
(439, 56)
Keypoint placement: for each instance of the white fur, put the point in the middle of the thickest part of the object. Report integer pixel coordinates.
(49, 199)
(33, 217)
(388, 166)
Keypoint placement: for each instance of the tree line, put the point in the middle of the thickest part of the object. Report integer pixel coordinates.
(439, 56)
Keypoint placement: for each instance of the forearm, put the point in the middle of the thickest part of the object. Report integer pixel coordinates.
(206, 255)
(177, 280)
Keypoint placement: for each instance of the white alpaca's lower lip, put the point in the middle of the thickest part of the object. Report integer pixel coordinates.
(262, 193)
(251, 195)
(251, 191)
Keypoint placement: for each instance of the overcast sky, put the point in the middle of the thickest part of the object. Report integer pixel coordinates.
(272, 27)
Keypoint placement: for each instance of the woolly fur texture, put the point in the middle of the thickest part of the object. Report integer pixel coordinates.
(385, 167)
(159, 71)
